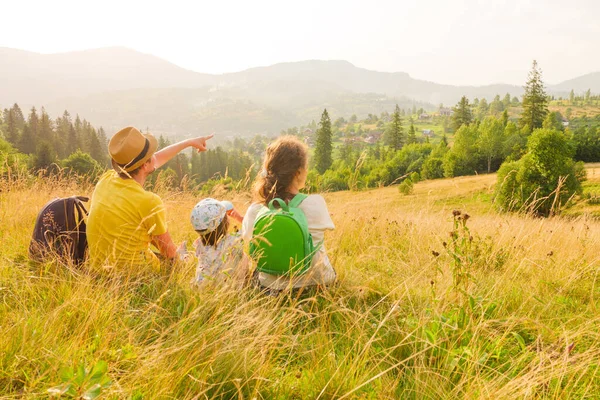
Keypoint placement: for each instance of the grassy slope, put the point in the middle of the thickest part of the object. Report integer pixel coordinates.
(590, 110)
(392, 327)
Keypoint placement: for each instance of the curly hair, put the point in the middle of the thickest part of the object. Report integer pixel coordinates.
(284, 158)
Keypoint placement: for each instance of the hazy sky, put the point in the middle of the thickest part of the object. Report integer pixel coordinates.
(455, 42)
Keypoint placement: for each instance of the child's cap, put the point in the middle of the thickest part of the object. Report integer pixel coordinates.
(208, 214)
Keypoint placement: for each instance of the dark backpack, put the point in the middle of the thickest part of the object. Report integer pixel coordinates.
(60, 231)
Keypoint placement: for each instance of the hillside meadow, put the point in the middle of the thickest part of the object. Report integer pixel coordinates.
(428, 305)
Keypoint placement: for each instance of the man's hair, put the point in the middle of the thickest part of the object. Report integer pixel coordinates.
(126, 174)
(212, 238)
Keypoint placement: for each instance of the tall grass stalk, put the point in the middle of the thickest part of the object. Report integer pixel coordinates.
(528, 327)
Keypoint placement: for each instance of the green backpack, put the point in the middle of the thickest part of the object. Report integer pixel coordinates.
(281, 243)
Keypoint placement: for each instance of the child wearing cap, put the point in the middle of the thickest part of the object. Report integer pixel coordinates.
(219, 253)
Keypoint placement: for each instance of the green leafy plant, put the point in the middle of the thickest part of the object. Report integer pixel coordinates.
(82, 383)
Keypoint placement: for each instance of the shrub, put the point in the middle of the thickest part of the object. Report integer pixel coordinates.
(406, 187)
(544, 179)
(335, 180)
(414, 177)
(433, 168)
(80, 163)
(11, 161)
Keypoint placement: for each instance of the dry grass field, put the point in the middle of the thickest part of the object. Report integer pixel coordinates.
(428, 305)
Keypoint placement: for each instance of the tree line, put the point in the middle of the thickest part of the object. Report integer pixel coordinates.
(48, 141)
(484, 138)
(37, 143)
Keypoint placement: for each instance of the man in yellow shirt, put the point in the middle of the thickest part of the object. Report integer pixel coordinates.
(124, 218)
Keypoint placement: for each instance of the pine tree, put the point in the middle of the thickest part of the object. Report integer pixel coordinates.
(204, 174)
(44, 156)
(553, 121)
(162, 142)
(497, 106)
(33, 122)
(79, 132)
(72, 145)
(535, 101)
(394, 134)
(18, 116)
(94, 147)
(444, 141)
(103, 146)
(572, 97)
(27, 142)
(195, 165)
(412, 133)
(181, 167)
(45, 131)
(588, 96)
(462, 114)
(324, 147)
(482, 109)
(505, 117)
(506, 101)
(12, 133)
(29, 137)
(63, 128)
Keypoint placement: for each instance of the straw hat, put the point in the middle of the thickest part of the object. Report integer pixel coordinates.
(131, 149)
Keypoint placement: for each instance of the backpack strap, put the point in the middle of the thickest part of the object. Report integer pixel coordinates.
(82, 245)
(295, 202)
(281, 203)
(299, 198)
(81, 211)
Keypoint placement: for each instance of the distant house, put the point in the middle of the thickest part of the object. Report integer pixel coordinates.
(565, 122)
(308, 132)
(424, 116)
(428, 132)
(446, 112)
(351, 139)
(373, 137)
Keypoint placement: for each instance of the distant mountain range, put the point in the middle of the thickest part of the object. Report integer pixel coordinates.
(114, 87)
